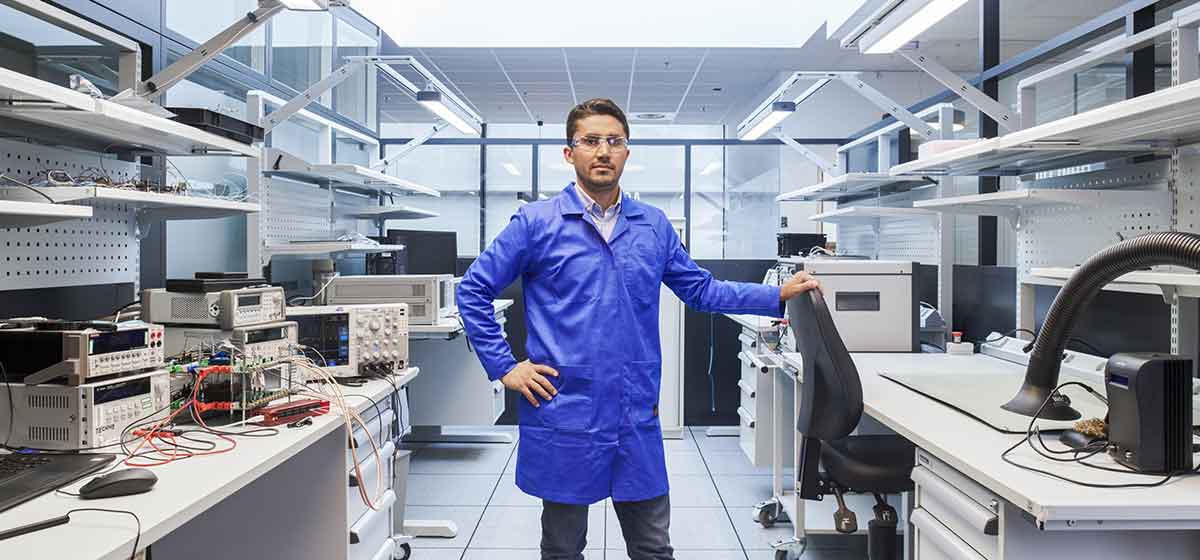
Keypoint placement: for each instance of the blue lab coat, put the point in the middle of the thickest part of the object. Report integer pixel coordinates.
(591, 308)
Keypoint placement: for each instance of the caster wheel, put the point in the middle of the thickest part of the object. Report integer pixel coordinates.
(767, 517)
(405, 552)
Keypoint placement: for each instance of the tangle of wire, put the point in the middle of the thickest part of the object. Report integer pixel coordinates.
(1078, 456)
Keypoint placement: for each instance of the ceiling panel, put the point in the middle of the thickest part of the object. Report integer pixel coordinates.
(660, 77)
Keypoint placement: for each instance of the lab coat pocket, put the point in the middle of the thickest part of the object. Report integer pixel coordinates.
(642, 265)
(645, 378)
(574, 407)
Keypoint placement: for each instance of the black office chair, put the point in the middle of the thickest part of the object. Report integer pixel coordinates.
(829, 409)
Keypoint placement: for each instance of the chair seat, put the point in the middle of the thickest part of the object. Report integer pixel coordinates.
(879, 463)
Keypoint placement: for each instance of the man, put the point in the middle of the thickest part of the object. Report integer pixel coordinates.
(591, 260)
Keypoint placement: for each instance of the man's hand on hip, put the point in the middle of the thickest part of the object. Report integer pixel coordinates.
(800, 283)
(529, 379)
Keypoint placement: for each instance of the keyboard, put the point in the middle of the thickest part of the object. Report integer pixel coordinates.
(25, 477)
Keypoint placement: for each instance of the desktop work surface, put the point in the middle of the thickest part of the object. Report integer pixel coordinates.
(973, 449)
(300, 468)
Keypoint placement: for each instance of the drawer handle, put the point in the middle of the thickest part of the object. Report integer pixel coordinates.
(370, 518)
(748, 340)
(747, 418)
(746, 388)
(978, 516)
(941, 537)
(754, 362)
(386, 454)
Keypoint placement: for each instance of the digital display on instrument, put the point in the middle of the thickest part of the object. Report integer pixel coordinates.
(119, 391)
(266, 335)
(327, 334)
(119, 341)
(248, 301)
(857, 301)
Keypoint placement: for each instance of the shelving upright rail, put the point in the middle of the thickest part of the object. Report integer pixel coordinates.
(1092, 179)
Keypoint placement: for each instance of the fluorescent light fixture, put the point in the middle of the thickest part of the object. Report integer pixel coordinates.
(306, 5)
(905, 23)
(779, 111)
(511, 169)
(711, 168)
(432, 100)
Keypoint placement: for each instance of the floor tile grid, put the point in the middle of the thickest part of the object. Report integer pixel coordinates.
(499, 480)
(723, 505)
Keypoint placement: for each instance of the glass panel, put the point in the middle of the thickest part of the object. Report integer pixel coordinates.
(655, 175)
(355, 98)
(224, 246)
(200, 21)
(740, 220)
(554, 173)
(352, 150)
(299, 137)
(302, 49)
(38, 48)
(509, 185)
(453, 170)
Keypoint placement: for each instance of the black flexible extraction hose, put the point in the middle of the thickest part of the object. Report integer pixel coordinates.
(1041, 377)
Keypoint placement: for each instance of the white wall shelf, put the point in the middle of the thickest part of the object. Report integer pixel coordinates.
(24, 214)
(851, 183)
(69, 117)
(1009, 204)
(1143, 125)
(870, 214)
(393, 213)
(153, 206)
(1185, 284)
(319, 248)
(341, 176)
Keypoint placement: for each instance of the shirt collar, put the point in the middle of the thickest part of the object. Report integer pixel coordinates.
(594, 208)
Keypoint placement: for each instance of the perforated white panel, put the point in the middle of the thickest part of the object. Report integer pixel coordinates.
(101, 250)
(897, 239)
(294, 211)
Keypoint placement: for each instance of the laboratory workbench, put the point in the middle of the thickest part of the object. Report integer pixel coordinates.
(270, 497)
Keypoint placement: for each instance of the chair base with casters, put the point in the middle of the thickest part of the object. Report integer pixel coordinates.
(831, 461)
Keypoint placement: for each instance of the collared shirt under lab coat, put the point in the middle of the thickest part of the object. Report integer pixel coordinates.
(592, 314)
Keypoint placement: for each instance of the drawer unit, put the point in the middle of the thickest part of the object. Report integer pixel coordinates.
(756, 401)
(372, 531)
(954, 516)
(363, 444)
(370, 469)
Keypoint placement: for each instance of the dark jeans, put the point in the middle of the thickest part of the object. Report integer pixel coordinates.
(646, 526)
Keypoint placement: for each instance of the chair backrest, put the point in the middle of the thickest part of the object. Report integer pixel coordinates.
(831, 393)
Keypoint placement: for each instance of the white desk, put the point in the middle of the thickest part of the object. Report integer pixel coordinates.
(454, 390)
(244, 501)
(1039, 517)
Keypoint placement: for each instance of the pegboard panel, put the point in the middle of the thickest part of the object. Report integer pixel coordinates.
(344, 224)
(103, 249)
(100, 250)
(1065, 236)
(29, 163)
(294, 211)
(1189, 193)
(897, 239)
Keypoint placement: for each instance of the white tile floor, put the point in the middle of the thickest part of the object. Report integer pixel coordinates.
(713, 490)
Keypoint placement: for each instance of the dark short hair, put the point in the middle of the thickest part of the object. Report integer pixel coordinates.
(598, 106)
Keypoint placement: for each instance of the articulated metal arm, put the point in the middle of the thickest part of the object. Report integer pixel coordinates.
(827, 166)
(410, 146)
(968, 92)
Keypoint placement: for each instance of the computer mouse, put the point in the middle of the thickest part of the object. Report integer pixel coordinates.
(1079, 441)
(124, 482)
